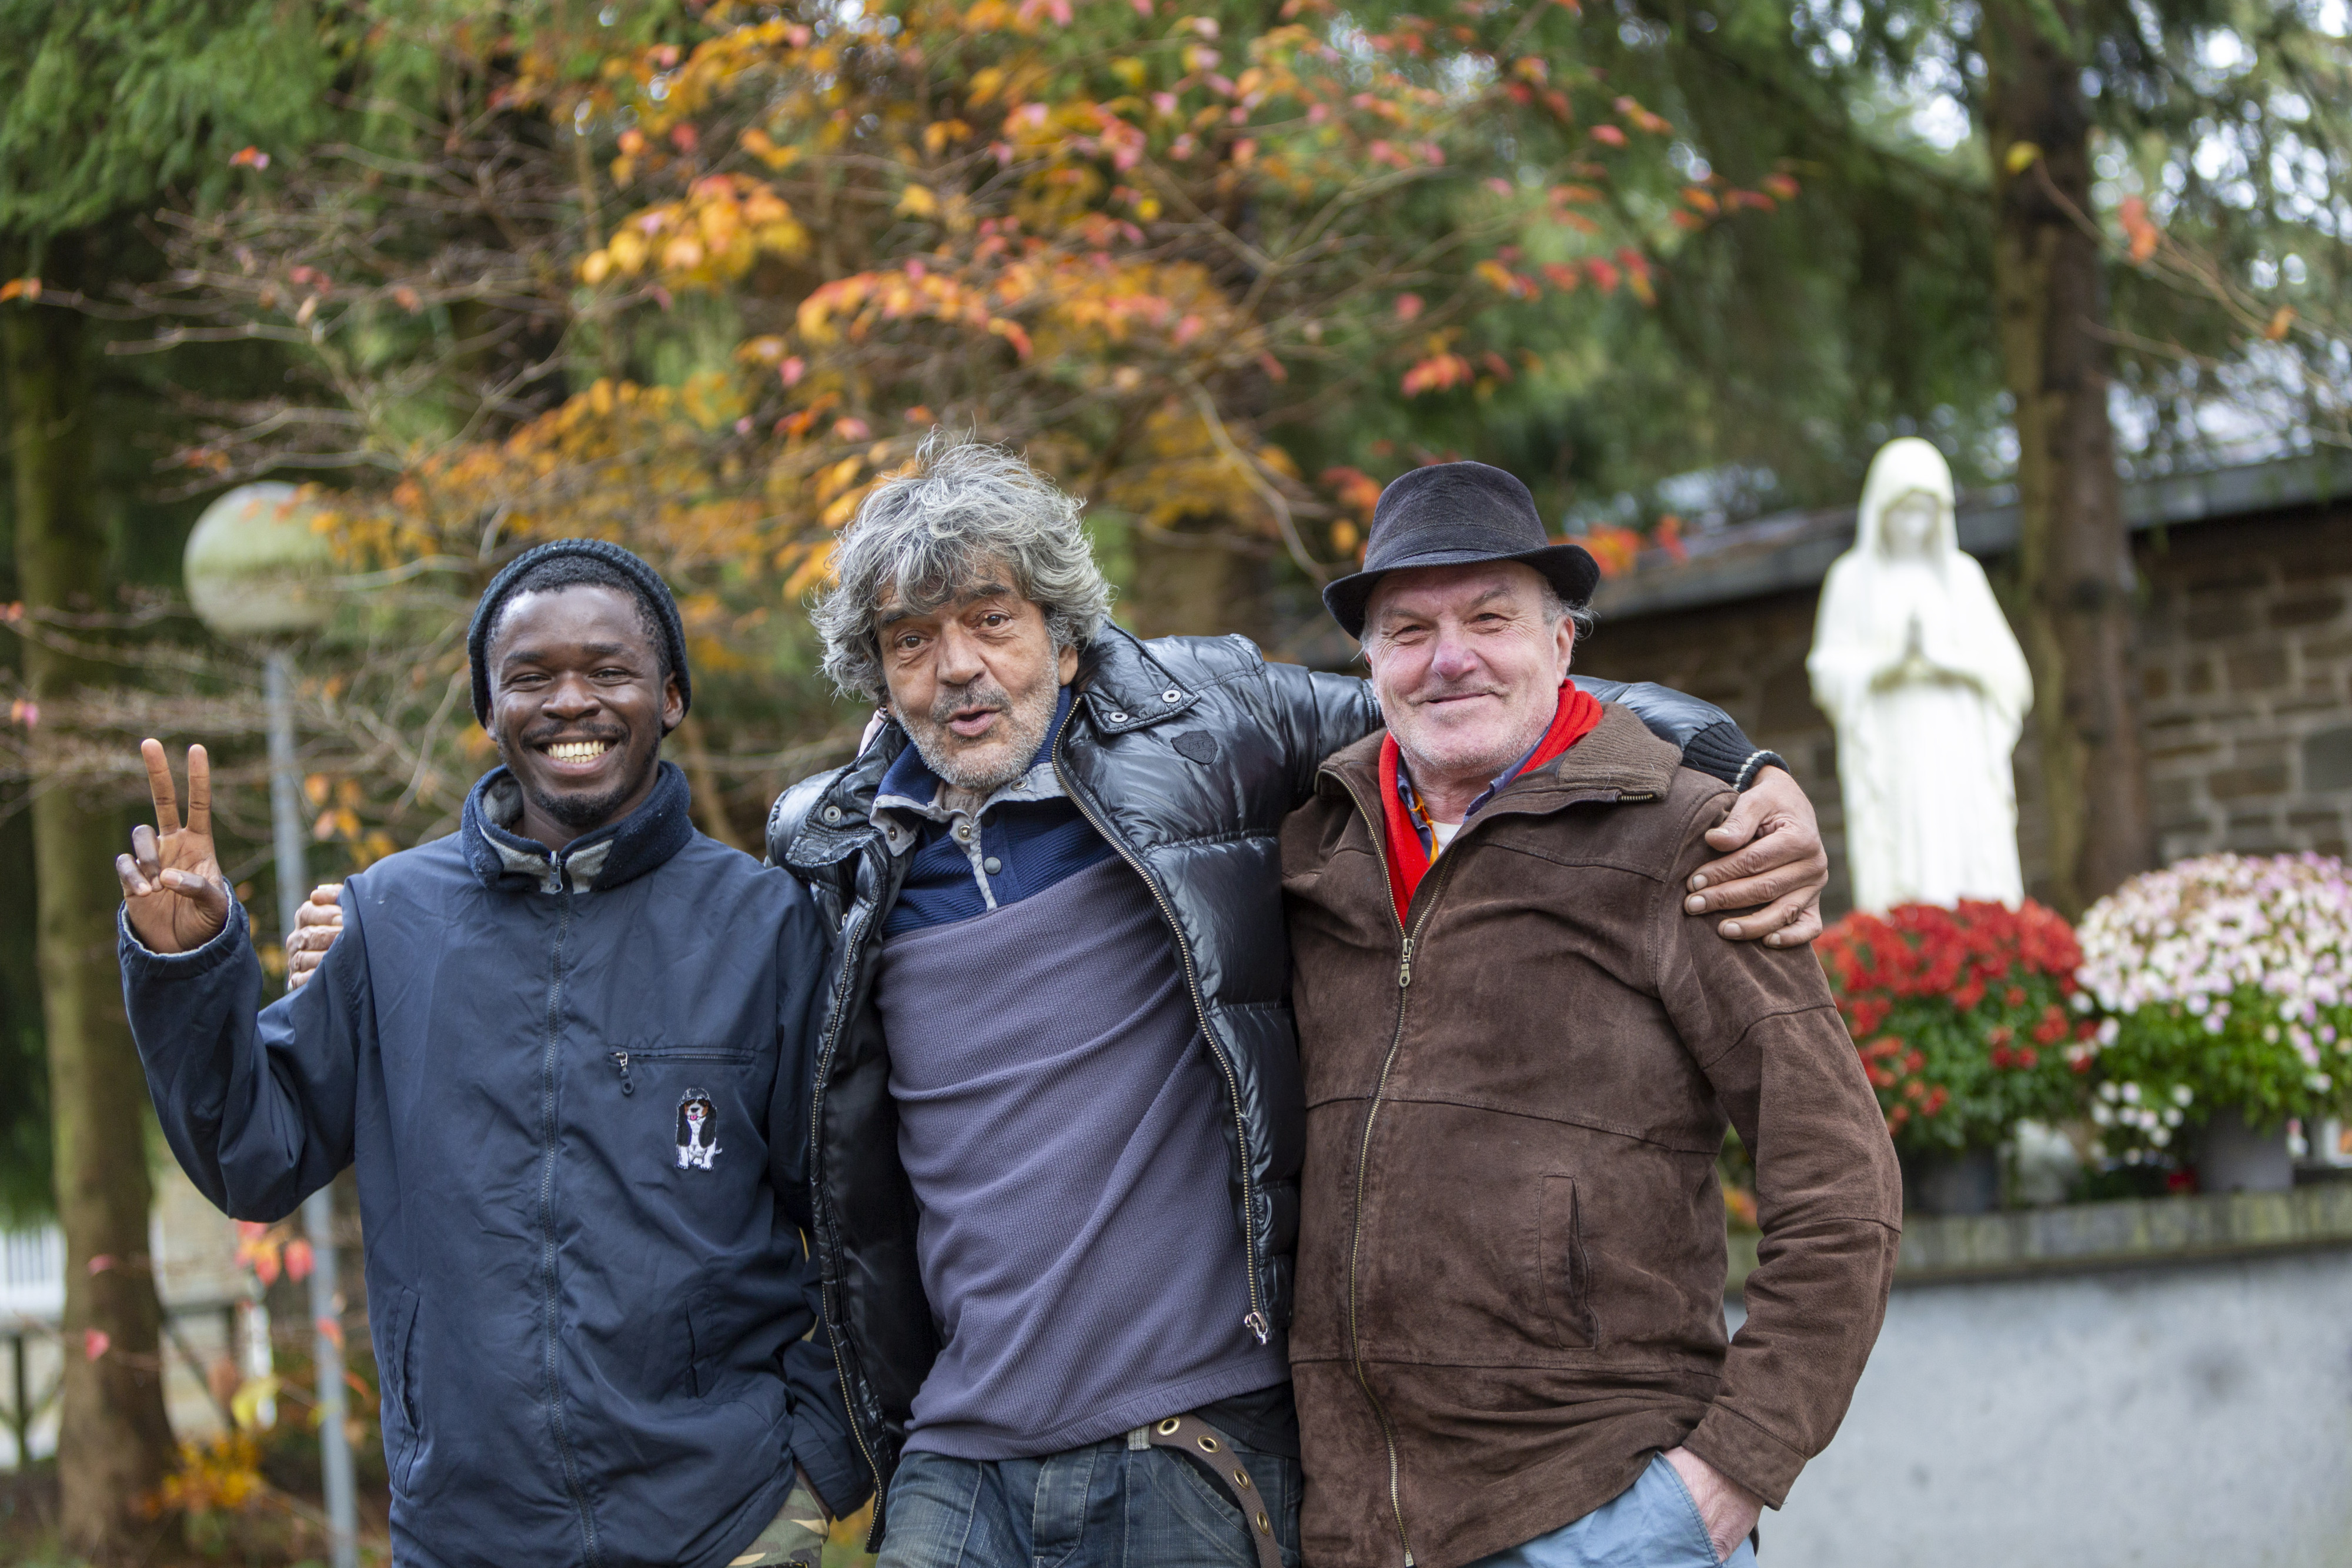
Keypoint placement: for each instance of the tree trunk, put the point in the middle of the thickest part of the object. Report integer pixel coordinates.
(2075, 576)
(1198, 579)
(115, 1442)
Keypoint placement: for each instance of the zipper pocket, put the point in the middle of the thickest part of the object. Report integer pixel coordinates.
(622, 1061)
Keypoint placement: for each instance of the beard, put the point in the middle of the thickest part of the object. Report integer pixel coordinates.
(582, 813)
(1460, 753)
(1000, 758)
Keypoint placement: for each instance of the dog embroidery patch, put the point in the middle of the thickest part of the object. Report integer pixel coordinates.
(698, 1131)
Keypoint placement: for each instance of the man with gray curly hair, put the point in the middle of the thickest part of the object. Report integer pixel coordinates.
(1059, 1117)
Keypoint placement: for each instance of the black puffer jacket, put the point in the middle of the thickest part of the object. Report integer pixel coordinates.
(1186, 754)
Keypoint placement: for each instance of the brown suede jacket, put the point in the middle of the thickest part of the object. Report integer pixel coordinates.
(1511, 1245)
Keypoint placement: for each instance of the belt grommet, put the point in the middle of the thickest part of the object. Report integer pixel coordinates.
(1241, 1479)
(1168, 1428)
(1208, 1445)
(1263, 1524)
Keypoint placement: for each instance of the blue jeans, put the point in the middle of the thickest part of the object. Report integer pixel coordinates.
(1106, 1505)
(1652, 1524)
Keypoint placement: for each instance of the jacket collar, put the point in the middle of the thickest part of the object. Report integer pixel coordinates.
(1620, 760)
(614, 853)
(1120, 687)
(1124, 687)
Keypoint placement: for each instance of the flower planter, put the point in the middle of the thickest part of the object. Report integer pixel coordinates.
(1943, 1184)
(2234, 1157)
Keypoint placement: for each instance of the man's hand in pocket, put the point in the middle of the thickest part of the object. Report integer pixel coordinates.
(1728, 1509)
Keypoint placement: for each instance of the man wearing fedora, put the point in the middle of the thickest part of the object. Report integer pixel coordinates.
(1520, 1057)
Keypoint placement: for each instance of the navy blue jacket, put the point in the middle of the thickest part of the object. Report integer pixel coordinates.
(576, 1087)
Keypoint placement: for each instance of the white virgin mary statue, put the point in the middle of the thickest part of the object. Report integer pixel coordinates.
(1917, 667)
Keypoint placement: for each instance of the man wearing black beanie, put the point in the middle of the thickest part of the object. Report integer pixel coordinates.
(568, 1049)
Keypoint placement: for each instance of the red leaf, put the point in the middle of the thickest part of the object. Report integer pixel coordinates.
(94, 1344)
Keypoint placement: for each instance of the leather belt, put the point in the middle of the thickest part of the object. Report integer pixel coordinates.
(1214, 1453)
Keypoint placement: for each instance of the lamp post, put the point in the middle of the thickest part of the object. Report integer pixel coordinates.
(255, 569)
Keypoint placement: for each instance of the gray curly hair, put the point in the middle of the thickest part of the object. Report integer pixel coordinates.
(924, 535)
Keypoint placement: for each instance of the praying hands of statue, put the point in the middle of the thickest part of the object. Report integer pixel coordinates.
(174, 895)
(1913, 667)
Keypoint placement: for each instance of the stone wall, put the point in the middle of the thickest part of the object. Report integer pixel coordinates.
(2246, 661)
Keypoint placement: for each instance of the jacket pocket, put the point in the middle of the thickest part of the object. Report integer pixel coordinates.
(396, 1366)
(705, 1356)
(1565, 1271)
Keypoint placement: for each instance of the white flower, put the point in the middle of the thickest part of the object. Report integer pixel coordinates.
(2108, 1030)
(2159, 1136)
(2131, 1094)
(2102, 1114)
(2181, 1095)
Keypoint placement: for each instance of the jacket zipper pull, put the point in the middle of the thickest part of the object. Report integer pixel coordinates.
(620, 1061)
(1256, 1324)
(1404, 967)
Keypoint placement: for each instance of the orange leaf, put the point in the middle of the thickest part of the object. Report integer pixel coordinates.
(1436, 373)
(2279, 322)
(2144, 234)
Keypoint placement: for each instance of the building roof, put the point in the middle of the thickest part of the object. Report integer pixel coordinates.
(1791, 551)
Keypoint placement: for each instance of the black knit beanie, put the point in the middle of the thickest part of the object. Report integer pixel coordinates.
(651, 590)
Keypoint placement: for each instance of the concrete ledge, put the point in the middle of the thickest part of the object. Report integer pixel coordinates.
(2086, 1236)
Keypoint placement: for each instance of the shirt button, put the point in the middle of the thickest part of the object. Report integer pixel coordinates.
(991, 865)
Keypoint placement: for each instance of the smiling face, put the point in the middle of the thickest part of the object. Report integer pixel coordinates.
(1467, 662)
(974, 680)
(578, 708)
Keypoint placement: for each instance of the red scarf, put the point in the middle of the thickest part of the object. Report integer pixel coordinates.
(1571, 721)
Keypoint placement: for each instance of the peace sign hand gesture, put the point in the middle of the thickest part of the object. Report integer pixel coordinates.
(172, 893)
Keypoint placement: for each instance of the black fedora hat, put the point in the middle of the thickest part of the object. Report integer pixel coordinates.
(1453, 514)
